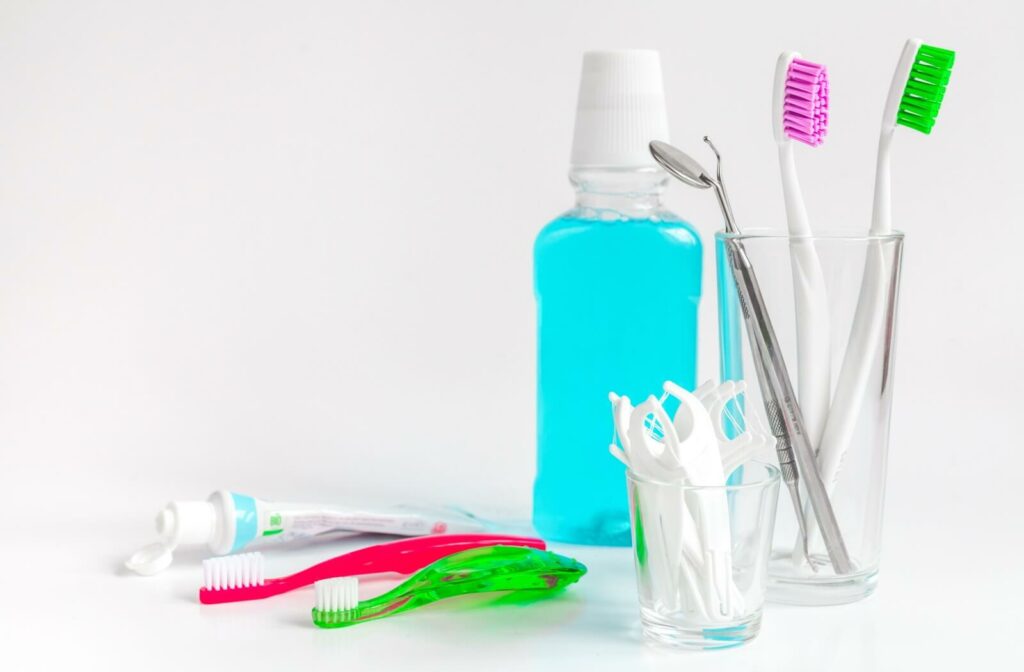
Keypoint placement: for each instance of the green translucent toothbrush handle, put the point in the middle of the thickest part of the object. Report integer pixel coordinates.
(479, 570)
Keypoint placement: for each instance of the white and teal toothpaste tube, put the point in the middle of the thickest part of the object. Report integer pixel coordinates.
(228, 522)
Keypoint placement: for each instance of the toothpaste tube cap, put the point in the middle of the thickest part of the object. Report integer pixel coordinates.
(187, 523)
(184, 523)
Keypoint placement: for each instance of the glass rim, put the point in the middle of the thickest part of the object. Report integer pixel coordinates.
(773, 475)
(774, 234)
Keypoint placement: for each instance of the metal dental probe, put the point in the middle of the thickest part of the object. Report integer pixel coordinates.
(783, 411)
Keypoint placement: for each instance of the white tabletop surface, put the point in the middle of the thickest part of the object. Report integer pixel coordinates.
(69, 605)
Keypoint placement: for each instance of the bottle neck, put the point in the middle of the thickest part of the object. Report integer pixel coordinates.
(632, 193)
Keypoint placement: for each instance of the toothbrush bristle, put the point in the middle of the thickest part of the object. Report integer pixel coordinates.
(925, 88)
(805, 106)
(233, 571)
(336, 597)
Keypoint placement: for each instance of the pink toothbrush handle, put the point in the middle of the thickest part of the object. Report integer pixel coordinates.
(402, 557)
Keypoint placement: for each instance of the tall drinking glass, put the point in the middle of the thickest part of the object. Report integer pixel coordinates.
(860, 275)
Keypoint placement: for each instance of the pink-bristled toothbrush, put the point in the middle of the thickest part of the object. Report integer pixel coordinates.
(236, 578)
(800, 113)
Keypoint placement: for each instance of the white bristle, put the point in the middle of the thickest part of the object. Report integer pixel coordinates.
(340, 594)
(233, 571)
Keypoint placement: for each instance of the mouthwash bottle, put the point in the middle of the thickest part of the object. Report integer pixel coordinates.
(617, 281)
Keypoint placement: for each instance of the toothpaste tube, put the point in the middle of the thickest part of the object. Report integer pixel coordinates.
(228, 522)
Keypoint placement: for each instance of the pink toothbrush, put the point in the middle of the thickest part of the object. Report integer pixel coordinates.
(800, 113)
(236, 578)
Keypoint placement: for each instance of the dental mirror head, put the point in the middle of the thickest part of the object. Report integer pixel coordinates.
(685, 169)
(679, 165)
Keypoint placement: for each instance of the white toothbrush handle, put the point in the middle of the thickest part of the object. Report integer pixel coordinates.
(858, 364)
(881, 208)
(813, 339)
(854, 376)
(866, 336)
(814, 375)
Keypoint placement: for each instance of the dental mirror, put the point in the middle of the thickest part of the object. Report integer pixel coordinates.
(679, 165)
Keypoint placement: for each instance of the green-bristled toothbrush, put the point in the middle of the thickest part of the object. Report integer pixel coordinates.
(915, 95)
(480, 570)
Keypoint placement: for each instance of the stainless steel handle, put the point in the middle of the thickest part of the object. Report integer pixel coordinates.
(780, 403)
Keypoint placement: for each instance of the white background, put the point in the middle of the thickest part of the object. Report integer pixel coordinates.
(286, 248)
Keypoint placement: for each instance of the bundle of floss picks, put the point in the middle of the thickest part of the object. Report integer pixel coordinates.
(689, 545)
(740, 437)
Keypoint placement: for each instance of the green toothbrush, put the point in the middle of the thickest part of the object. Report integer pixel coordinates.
(915, 95)
(924, 86)
(480, 570)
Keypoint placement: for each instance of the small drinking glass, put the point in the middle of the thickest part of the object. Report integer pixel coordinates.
(702, 556)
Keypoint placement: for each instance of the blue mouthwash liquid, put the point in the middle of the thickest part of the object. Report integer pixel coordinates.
(617, 282)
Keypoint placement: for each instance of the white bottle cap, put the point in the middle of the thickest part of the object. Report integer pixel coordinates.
(621, 108)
